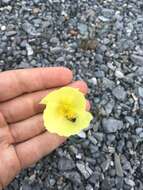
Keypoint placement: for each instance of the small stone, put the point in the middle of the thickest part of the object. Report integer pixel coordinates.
(73, 176)
(99, 74)
(120, 93)
(3, 28)
(65, 164)
(141, 135)
(35, 10)
(107, 83)
(99, 136)
(108, 12)
(119, 182)
(129, 182)
(60, 60)
(87, 44)
(11, 33)
(73, 32)
(56, 50)
(139, 71)
(52, 182)
(130, 120)
(140, 92)
(82, 135)
(137, 59)
(92, 139)
(89, 187)
(119, 74)
(109, 107)
(94, 80)
(83, 29)
(105, 165)
(26, 187)
(54, 40)
(104, 19)
(29, 49)
(30, 29)
(84, 169)
(6, 1)
(139, 130)
(111, 125)
(118, 167)
(106, 184)
(95, 177)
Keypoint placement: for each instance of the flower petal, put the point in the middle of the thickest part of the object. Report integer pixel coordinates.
(72, 96)
(64, 127)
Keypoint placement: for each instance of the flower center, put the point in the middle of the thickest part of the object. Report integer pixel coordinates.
(66, 111)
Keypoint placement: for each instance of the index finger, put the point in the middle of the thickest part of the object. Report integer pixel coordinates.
(16, 82)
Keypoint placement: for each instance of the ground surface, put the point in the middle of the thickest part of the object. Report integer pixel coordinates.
(35, 33)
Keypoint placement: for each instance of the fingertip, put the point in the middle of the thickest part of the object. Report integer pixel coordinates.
(81, 85)
(67, 73)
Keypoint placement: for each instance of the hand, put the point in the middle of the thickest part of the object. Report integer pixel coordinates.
(23, 139)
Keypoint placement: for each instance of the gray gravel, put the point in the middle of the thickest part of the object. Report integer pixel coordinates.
(102, 42)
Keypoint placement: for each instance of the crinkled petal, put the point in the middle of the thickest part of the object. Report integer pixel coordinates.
(64, 127)
(67, 95)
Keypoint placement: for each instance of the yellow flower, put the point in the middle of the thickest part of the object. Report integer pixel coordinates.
(65, 113)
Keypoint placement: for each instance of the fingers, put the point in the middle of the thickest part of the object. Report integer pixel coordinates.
(27, 129)
(28, 105)
(34, 149)
(31, 127)
(3, 122)
(17, 82)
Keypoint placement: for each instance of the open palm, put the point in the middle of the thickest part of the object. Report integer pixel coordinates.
(23, 139)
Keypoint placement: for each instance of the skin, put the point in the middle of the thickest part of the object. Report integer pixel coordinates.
(23, 139)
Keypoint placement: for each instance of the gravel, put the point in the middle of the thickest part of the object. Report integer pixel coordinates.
(102, 42)
(111, 125)
(120, 93)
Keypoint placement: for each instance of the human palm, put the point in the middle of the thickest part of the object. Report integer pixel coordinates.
(23, 139)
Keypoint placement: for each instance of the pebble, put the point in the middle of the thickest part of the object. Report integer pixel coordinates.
(83, 29)
(92, 139)
(140, 92)
(119, 74)
(107, 83)
(120, 93)
(106, 184)
(84, 169)
(118, 167)
(82, 135)
(94, 80)
(130, 120)
(99, 136)
(3, 27)
(109, 107)
(137, 59)
(11, 33)
(6, 1)
(139, 130)
(29, 49)
(129, 182)
(73, 176)
(111, 125)
(30, 29)
(65, 164)
(95, 177)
